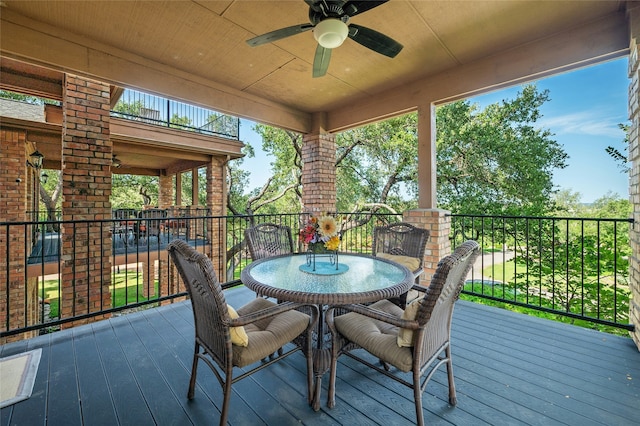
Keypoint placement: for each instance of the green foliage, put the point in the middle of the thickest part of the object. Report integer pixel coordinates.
(126, 288)
(132, 108)
(578, 266)
(496, 161)
(5, 94)
(620, 156)
(377, 163)
(125, 191)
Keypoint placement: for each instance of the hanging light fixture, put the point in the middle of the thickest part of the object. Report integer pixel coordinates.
(330, 33)
(36, 160)
(115, 163)
(44, 177)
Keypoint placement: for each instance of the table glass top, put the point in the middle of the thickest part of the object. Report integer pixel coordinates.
(364, 274)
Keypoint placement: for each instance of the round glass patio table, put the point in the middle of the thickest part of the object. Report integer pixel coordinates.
(359, 279)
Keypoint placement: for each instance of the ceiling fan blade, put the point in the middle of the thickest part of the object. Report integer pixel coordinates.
(278, 34)
(321, 61)
(353, 8)
(374, 40)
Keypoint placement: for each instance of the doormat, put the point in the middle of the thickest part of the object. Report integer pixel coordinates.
(17, 375)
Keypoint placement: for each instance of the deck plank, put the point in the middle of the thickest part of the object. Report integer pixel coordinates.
(509, 369)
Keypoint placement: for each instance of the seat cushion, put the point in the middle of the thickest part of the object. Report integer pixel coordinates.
(405, 336)
(238, 334)
(377, 337)
(268, 335)
(411, 263)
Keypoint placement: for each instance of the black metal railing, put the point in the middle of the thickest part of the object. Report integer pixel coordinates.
(573, 267)
(51, 279)
(146, 108)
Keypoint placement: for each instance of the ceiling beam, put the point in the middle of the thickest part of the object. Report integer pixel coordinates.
(35, 42)
(599, 41)
(151, 135)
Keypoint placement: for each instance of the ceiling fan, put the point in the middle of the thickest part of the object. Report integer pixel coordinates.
(330, 24)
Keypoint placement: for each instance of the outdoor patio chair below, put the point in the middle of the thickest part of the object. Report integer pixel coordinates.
(225, 339)
(415, 340)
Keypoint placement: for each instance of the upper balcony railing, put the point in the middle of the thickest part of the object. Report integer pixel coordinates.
(138, 106)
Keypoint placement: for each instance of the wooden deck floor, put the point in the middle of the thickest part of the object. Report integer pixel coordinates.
(510, 369)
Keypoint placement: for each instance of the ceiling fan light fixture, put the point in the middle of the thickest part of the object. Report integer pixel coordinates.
(330, 33)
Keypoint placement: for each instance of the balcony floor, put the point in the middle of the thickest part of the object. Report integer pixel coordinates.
(510, 369)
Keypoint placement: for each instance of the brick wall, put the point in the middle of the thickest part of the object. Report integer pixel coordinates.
(165, 192)
(439, 225)
(86, 176)
(319, 173)
(216, 202)
(16, 181)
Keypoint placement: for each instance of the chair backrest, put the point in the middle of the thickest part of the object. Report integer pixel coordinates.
(268, 239)
(402, 239)
(124, 213)
(207, 300)
(436, 307)
(154, 220)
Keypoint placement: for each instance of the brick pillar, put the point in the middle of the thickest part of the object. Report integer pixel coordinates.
(86, 188)
(634, 174)
(15, 187)
(165, 192)
(438, 222)
(216, 203)
(319, 173)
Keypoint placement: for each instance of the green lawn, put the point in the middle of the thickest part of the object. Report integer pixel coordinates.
(126, 288)
(505, 273)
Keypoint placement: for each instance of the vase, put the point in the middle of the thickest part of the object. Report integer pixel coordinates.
(317, 248)
(319, 251)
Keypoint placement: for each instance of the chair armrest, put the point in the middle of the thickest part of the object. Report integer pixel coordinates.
(231, 284)
(375, 314)
(420, 288)
(269, 312)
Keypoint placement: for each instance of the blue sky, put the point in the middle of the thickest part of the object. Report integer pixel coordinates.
(583, 114)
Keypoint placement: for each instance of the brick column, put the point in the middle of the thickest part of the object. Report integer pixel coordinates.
(86, 177)
(217, 205)
(634, 174)
(319, 173)
(438, 222)
(15, 187)
(165, 192)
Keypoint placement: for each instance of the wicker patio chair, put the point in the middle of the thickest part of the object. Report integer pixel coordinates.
(415, 340)
(268, 239)
(224, 340)
(405, 244)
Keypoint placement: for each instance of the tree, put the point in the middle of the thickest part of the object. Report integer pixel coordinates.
(496, 161)
(587, 270)
(50, 192)
(125, 191)
(618, 156)
(377, 165)
(491, 161)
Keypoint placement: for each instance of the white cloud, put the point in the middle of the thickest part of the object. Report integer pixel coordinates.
(593, 123)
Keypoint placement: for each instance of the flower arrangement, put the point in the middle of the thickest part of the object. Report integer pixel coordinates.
(321, 232)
